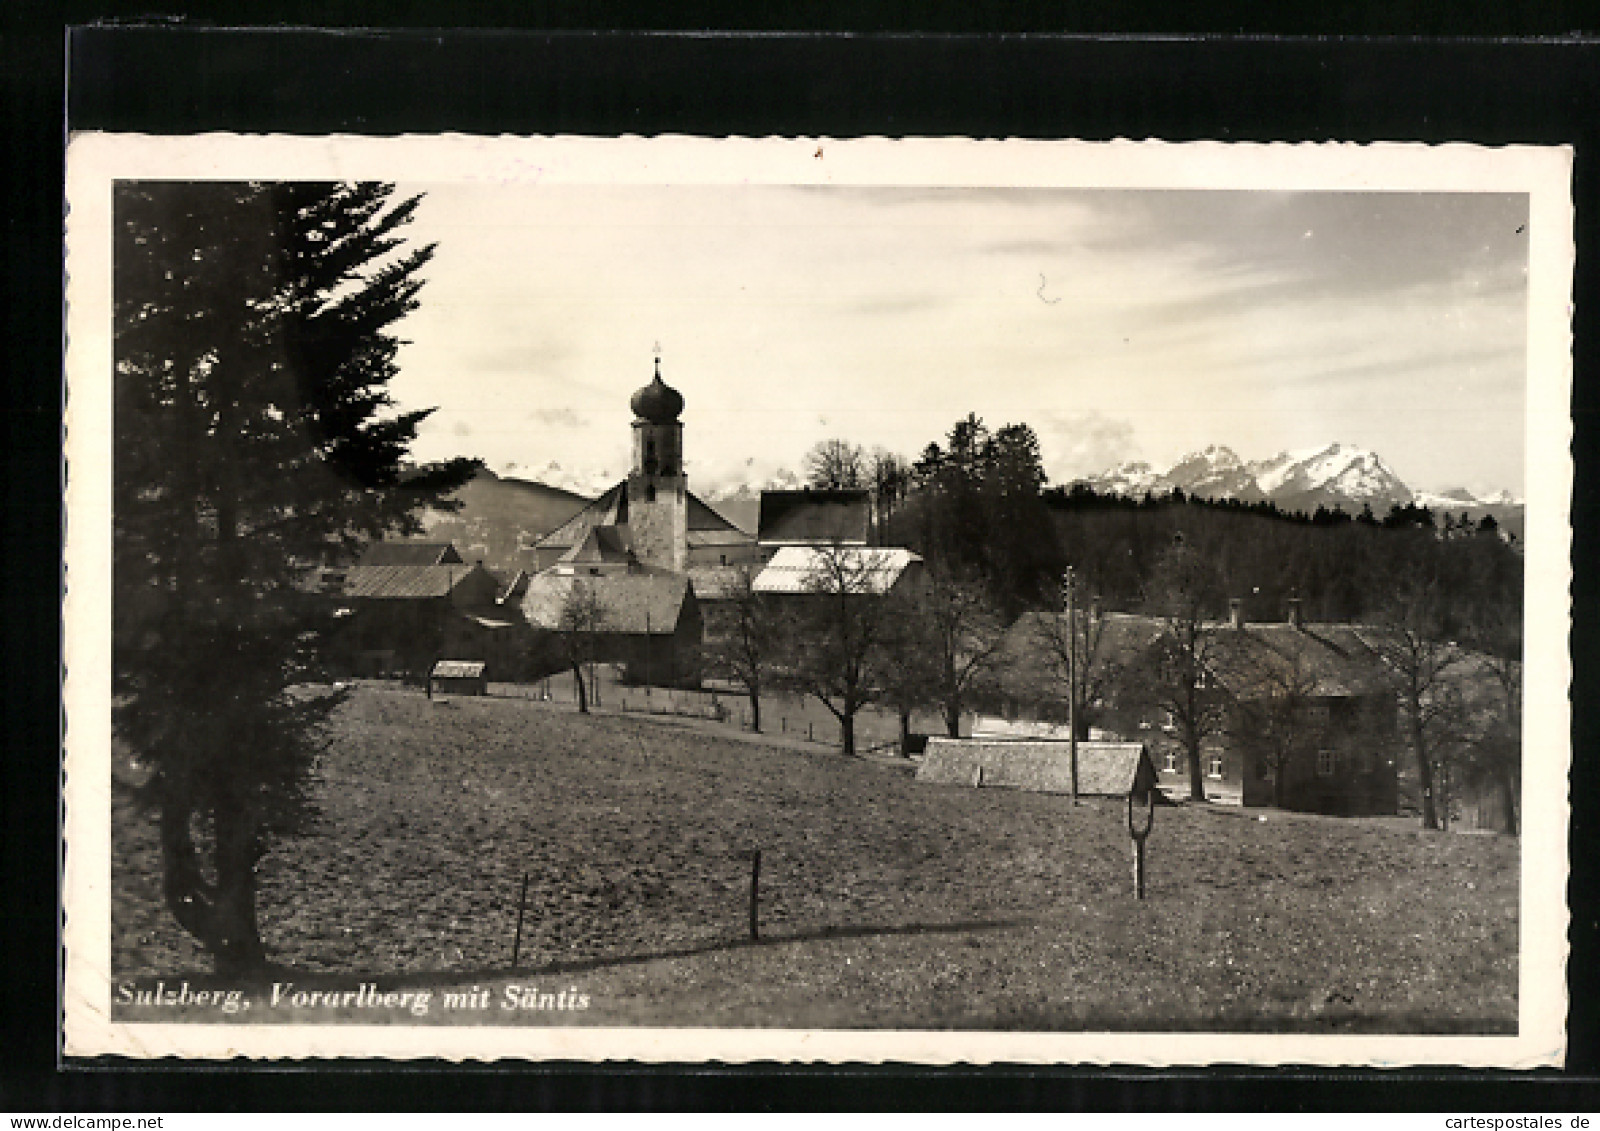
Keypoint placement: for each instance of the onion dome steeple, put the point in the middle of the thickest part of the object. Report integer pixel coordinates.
(657, 402)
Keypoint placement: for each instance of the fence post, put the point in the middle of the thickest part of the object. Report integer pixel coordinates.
(755, 895)
(522, 903)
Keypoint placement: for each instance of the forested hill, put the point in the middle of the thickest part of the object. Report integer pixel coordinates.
(1342, 568)
(496, 513)
(977, 506)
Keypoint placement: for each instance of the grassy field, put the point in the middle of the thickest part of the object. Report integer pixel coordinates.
(885, 902)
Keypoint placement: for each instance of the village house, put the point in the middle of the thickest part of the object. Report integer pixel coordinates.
(815, 518)
(1307, 716)
(398, 619)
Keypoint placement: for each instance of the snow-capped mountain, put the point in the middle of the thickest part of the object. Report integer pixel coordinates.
(1337, 474)
(588, 482)
(1132, 478)
(1341, 474)
(1214, 473)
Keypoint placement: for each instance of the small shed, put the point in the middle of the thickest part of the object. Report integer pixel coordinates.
(1105, 769)
(459, 677)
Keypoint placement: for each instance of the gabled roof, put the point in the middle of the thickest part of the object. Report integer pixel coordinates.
(402, 581)
(409, 554)
(1321, 660)
(635, 602)
(811, 516)
(806, 569)
(458, 669)
(1105, 769)
(601, 545)
(705, 526)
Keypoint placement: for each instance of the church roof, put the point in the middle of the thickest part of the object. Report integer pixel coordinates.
(657, 402)
(706, 526)
(601, 544)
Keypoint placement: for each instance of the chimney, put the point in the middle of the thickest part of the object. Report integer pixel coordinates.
(1236, 612)
(1295, 617)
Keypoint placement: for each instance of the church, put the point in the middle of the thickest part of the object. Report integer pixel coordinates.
(643, 548)
(652, 515)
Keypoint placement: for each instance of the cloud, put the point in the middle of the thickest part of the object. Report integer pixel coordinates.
(560, 417)
(1076, 444)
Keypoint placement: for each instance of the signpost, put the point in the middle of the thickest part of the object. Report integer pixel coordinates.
(1139, 836)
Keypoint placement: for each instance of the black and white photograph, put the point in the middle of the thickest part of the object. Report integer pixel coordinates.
(795, 599)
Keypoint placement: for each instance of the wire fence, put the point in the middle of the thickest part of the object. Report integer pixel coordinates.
(782, 714)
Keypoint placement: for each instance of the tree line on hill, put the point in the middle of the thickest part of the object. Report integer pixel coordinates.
(977, 505)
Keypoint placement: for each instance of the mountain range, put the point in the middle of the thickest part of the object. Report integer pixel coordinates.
(1339, 474)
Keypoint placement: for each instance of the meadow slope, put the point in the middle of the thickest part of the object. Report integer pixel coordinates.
(885, 902)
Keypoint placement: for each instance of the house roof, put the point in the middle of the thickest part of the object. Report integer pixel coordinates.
(705, 526)
(402, 581)
(815, 516)
(1323, 660)
(1107, 769)
(805, 569)
(634, 602)
(987, 726)
(458, 669)
(409, 554)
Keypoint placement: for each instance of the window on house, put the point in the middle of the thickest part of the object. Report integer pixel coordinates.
(1327, 762)
(1169, 762)
(724, 558)
(1214, 766)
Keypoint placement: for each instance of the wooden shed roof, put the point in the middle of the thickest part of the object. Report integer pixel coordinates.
(1106, 769)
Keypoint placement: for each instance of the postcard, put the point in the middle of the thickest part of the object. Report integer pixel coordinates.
(937, 601)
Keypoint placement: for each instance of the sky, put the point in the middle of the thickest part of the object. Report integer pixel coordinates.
(1120, 324)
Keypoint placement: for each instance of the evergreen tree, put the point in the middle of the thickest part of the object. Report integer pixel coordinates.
(254, 440)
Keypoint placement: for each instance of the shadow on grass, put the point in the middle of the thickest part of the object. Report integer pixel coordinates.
(422, 979)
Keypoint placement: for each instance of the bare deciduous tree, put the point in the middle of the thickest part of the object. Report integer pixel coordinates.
(744, 639)
(1275, 722)
(839, 636)
(583, 618)
(835, 464)
(1175, 675)
(1422, 664)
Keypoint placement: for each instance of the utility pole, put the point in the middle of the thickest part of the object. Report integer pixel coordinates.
(1072, 678)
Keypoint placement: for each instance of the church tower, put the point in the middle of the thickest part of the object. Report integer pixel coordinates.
(658, 505)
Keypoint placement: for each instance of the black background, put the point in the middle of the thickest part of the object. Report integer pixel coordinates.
(869, 69)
